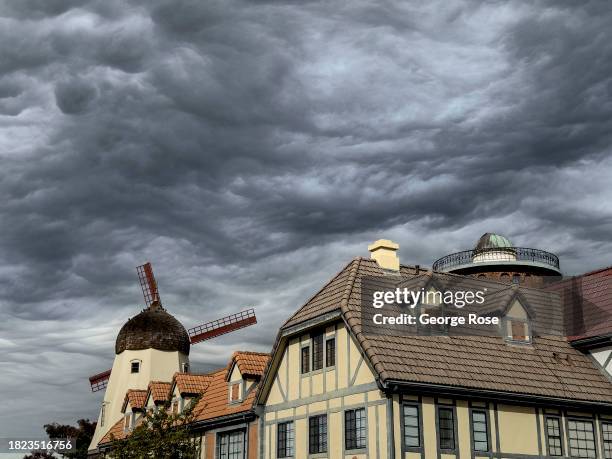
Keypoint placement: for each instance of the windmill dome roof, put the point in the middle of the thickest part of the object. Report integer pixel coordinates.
(153, 328)
(492, 241)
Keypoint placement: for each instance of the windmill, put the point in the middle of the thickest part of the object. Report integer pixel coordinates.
(197, 334)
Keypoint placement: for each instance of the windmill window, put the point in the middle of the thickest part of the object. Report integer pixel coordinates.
(135, 366)
(185, 367)
(102, 414)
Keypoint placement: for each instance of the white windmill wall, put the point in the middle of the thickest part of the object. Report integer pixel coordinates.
(154, 366)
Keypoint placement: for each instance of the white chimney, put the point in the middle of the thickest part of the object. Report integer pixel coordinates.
(384, 252)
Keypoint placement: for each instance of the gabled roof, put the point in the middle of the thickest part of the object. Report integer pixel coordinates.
(250, 364)
(136, 398)
(475, 363)
(214, 402)
(159, 391)
(189, 383)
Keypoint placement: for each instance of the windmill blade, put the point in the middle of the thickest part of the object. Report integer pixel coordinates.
(222, 326)
(99, 381)
(148, 283)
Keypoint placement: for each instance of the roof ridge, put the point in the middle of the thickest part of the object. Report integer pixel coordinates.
(321, 290)
(350, 283)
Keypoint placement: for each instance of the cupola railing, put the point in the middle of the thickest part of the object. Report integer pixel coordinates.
(496, 254)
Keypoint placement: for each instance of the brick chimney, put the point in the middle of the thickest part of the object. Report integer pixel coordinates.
(384, 252)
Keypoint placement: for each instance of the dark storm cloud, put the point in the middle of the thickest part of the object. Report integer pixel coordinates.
(249, 149)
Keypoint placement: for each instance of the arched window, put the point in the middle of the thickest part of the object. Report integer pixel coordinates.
(504, 277)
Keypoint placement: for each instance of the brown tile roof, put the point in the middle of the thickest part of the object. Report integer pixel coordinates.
(250, 364)
(136, 397)
(189, 383)
(159, 391)
(486, 363)
(592, 293)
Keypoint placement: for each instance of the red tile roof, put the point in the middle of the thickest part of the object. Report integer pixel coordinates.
(136, 398)
(159, 391)
(189, 383)
(250, 364)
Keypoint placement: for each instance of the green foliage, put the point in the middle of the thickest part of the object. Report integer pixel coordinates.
(83, 434)
(160, 435)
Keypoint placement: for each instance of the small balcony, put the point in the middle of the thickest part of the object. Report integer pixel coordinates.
(497, 256)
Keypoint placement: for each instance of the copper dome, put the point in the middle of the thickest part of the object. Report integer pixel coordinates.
(153, 328)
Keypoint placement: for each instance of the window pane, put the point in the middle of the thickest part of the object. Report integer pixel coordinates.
(480, 435)
(581, 438)
(317, 352)
(317, 434)
(305, 360)
(330, 352)
(412, 437)
(354, 429)
(285, 438)
(606, 430)
(446, 428)
(230, 445)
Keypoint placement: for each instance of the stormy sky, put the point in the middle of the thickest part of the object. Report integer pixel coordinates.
(249, 149)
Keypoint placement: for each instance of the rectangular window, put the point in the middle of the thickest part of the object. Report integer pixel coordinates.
(355, 429)
(230, 445)
(305, 360)
(581, 438)
(412, 426)
(606, 431)
(102, 415)
(446, 428)
(235, 394)
(285, 438)
(480, 430)
(518, 331)
(317, 351)
(317, 434)
(330, 352)
(135, 366)
(553, 435)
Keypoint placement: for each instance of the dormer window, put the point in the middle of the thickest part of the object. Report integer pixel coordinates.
(517, 325)
(135, 366)
(235, 392)
(518, 330)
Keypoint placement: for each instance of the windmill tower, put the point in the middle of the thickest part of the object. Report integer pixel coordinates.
(152, 346)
